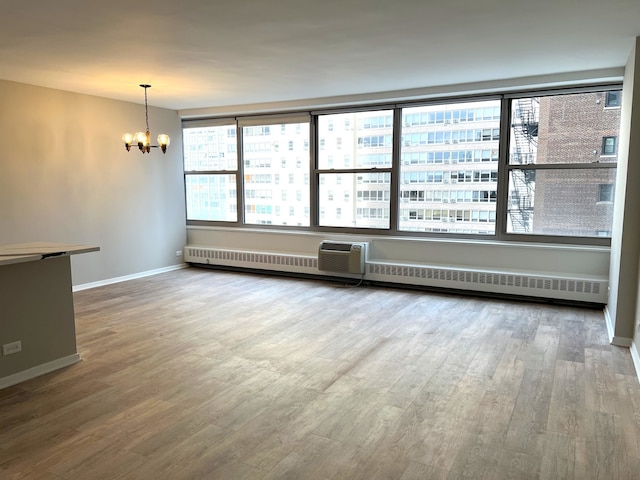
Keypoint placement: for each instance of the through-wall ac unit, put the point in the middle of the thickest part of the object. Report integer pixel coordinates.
(342, 257)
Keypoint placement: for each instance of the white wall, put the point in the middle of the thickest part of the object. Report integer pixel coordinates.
(563, 260)
(625, 244)
(66, 177)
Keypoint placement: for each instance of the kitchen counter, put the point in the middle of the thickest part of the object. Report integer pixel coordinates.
(36, 309)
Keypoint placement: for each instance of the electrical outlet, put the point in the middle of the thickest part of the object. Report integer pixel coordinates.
(178, 253)
(13, 347)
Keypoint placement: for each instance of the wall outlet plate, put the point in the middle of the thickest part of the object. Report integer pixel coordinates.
(13, 347)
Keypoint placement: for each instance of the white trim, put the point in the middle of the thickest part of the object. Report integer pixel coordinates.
(39, 370)
(109, 281)
(636, 359)
(613, 340)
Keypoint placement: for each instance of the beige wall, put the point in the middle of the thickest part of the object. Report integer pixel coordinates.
(66, 177)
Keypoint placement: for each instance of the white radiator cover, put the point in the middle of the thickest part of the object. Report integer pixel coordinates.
(533, 284)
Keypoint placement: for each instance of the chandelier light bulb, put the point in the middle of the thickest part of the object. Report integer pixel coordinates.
(140, 138)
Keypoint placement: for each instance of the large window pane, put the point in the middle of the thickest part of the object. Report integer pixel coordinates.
(355, 200)
(355, 140)
(561, 202)
(449, 168)
(550, 136)
(210, 148)
(360, 146)
(210, 165)
(211, 197)
(561, 129)
(276, 174)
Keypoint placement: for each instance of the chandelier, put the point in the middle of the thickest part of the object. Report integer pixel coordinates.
(143, 139)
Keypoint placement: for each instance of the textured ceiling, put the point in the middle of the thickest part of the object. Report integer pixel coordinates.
(208, 53)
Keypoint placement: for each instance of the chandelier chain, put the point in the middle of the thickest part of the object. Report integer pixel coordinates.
(146, 108)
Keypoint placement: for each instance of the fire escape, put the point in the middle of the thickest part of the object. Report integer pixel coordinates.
(524, 124)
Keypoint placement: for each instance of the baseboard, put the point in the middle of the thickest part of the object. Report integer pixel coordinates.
(109, 281)
(39, 370)
(636, 359)
(613, 339)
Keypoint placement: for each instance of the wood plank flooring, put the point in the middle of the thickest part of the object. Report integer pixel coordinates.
(201, 374)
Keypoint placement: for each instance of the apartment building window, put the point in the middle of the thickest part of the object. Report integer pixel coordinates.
(609, 145)
(605, 192)
(612, 99)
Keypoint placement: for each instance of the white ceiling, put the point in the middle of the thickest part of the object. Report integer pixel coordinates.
(211, 53)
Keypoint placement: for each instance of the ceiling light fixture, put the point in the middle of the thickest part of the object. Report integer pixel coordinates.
(143, 139)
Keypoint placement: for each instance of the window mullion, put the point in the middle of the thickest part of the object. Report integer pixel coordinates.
(394, 207)
(502, 194)
(240, 178)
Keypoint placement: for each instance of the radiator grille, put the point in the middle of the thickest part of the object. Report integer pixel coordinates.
(209, 255)
(485, 278)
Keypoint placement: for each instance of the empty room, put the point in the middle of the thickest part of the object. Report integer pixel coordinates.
(320, 240)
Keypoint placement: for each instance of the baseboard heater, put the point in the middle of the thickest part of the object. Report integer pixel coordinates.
(582, 290)
(348, 259)
(281, 262)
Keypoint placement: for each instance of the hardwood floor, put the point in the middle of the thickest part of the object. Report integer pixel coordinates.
(221, 375)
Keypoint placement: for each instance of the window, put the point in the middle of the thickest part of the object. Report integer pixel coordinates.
(444, 167)
(429, 171)
(613, 99)
(210, 173)
(260, 167)
(554, 183)
(609, 145)
(366, 185)
(605, 192)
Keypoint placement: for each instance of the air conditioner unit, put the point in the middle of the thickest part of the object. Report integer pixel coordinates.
(342, 257)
